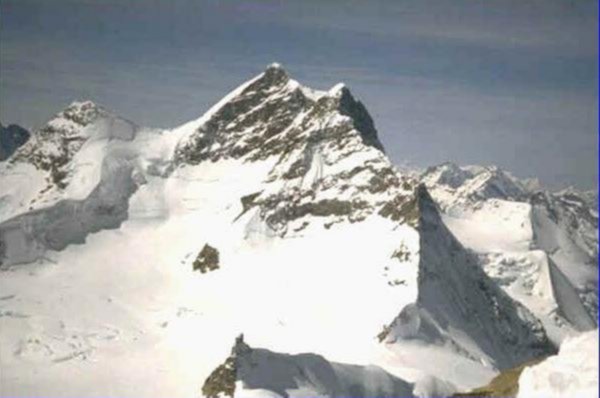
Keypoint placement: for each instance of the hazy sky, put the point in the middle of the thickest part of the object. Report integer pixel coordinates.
(512, 83)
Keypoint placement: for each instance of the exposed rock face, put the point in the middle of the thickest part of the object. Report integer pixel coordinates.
(329, 161)
(271, 116)
(54, 145)
(207, 260)
(221, 382)
(402, 208)
(12, 137)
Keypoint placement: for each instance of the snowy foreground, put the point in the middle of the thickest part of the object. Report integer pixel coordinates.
(133, 259)
(572, 373)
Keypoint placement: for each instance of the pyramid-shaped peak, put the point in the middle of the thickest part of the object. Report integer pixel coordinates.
(82, 112)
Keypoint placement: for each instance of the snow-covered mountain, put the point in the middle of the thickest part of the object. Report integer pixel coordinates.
(540, 246)
(11, 138)
(133, 257)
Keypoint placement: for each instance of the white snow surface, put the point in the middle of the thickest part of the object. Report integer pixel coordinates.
(571, 373)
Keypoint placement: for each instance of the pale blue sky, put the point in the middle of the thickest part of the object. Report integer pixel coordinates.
(511, 82)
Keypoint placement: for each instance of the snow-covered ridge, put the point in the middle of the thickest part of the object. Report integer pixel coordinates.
(455, 186)
(73, 177)
(524, 235)
(53, 146)
(258, 372)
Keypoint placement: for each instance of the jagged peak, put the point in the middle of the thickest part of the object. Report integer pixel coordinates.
(275, 110)
(349, 106)
(478, 182)
(274, 75)
(444, 167)
(80, 112)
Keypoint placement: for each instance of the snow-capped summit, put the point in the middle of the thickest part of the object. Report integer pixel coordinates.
(54, 145)
(272, 114)
(448, 174)
(62, 159)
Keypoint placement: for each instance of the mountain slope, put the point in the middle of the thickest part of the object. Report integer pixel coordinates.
(74, 183)
(541, 247)
(315, 242)
(459, 308)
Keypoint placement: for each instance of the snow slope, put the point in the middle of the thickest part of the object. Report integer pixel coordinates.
(571, 373)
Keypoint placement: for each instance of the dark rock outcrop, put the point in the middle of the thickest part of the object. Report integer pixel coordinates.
(207, 260)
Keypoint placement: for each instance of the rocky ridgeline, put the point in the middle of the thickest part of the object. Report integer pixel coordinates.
(330, 162)
(466, 187)
(53, 146)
